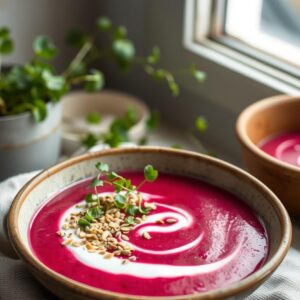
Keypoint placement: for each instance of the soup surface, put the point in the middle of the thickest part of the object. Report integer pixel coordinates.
(285, 147)
(213, 240)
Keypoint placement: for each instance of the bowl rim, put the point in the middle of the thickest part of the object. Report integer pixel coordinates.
(233, 289)
(242, 135)
(136, 101)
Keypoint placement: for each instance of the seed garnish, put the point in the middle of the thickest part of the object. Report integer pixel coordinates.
(102, 224)
(146, 235)
(171, 221)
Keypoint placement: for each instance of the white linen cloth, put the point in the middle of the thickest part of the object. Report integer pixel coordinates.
(18, 284)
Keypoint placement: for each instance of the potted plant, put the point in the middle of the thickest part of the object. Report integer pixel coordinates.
(115, 46)
(30, 111)
(30, 94)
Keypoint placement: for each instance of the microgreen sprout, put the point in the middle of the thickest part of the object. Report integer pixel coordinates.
(124, 190)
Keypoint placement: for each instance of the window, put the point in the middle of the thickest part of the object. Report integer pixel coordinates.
(260, 38)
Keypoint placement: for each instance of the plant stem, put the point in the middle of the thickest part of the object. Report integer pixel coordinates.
(80, 79)
(123, 187)
(79, 57)
(196, 141)
(141, 184)
(96, 191)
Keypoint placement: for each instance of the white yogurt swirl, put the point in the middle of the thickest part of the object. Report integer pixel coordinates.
(149, 270)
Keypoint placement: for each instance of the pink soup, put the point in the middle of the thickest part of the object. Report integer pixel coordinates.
(215, 240)
(285, 147)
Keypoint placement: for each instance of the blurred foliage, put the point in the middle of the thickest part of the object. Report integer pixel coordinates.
(29, 87)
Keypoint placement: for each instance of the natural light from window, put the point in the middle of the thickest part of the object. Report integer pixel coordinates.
(272, 26)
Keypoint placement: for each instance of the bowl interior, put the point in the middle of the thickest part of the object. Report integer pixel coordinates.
(273, 117)
(77, 105)
(109, 105)
(218, 173)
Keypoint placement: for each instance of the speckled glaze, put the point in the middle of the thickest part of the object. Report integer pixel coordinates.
(211, 170)
(271, 116)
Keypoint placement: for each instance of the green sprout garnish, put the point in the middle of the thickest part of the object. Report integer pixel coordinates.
(124, 190)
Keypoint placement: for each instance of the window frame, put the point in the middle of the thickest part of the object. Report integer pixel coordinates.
(208, 40)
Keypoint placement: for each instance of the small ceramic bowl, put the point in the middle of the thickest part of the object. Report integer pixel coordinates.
(267, 117)
(219, 173)
(109, 105)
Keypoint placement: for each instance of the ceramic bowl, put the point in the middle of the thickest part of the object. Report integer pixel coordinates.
(267, 117)
(109, 105)
(219, 173)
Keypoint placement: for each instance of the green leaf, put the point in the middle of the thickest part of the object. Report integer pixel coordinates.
(201, 124)
(120, 33)
(154, 57)
(83, 222)
(118, 184)
(104, 23)
(144, 210)
(52, 82)
(97, 182)
(93, 118)
(176, 146)
(94, 82)
(6, 46)
(131, 116)
(37, 108)
(150, 173)
(120, 201)
(90, 140)
(3, 108)
(128, 185)
(88, 217)
(43, 47)
(153, 121)
(40, 110)
(143, 141)
(123, 51)
(79, 70)
(22, 107)
(4, 32)
(174, 88)
(95, 212)
(102, 167)
(199, 76)
(76, 38)
(17, 77)
(112, 176)
(129, 220)
(159, 74)
(91, 198)
(131, 210)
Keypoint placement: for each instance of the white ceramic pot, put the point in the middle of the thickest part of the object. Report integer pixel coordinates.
(108, 104)
(26, 145)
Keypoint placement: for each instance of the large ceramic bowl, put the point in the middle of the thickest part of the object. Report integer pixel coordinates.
(221, 174)
(264, 118)
(109, 105)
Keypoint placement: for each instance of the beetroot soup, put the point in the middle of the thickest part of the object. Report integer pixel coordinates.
(195, 238)
(285, 147)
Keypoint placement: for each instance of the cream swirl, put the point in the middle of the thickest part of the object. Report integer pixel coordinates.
(183, 220)
(150, 270)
